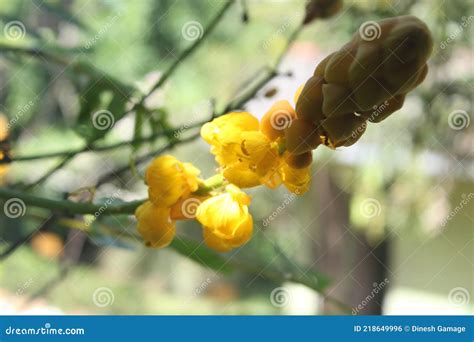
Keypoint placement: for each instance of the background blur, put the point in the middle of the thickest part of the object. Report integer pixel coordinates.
(390, 220)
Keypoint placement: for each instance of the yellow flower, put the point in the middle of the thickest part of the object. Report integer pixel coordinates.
(226, 220)
(169, 180)
(253, 162)
(247, 156)
(227, 128)
(250, 153)
(155, 225)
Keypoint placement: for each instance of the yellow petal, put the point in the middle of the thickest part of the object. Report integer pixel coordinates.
(241, 175)
(228, 127)
(169, 179)
(155, 225)
(226, 220)
(261, 153)
(296, 180)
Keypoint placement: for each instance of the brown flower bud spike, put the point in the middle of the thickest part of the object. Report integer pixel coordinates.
(367, 79)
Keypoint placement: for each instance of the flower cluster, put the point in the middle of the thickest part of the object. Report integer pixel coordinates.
(169, 181)
(366, 80)
(173, 194)
(252, 153)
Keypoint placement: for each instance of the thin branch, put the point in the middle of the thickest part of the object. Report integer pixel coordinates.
(186, 53)
(117, 172)
(103, 148)
(71, 207)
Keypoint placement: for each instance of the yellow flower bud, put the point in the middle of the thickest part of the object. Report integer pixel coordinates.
(226, 220)
(296, 180)
(169, 180)
(277, 119)
(155, 225)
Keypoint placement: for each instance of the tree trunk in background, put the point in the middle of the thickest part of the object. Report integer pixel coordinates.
(358, 269)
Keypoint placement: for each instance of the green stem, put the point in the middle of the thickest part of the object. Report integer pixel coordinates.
(210, 184)
(71, 207)
(108, 208)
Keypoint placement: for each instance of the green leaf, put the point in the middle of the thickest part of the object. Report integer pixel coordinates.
(201, 254)
(266, 258)
(102, 103)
